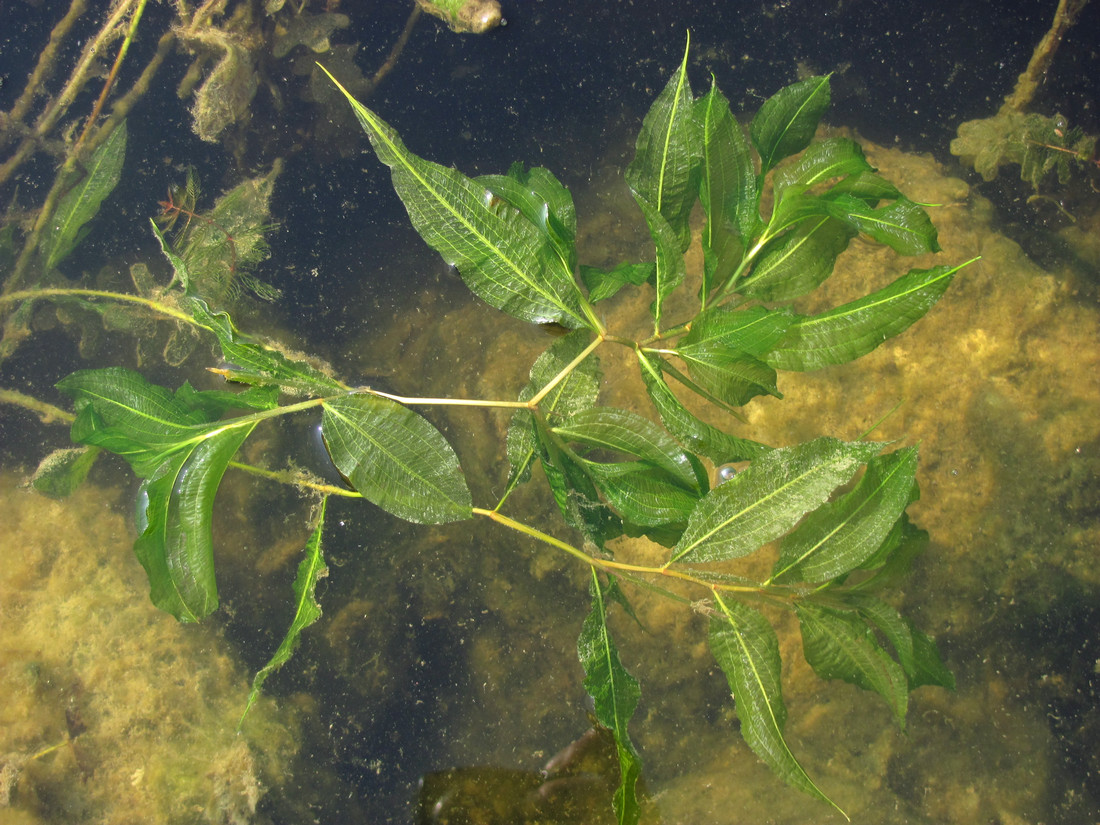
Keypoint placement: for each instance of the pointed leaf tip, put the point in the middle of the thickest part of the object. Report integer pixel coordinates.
(786, 123)
(747, 650)
(514, 264)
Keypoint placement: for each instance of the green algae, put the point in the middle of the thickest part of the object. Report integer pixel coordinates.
(112, 714)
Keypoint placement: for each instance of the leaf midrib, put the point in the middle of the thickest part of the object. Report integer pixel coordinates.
(550, 297)
(754, 505)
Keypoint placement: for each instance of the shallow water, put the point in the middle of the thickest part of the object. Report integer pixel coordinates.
(455, 647)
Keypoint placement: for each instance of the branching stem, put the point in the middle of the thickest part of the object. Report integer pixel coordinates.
(608, 565)
(568, 368)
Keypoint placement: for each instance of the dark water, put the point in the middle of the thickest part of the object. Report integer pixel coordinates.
(564, 80)
(550, 88)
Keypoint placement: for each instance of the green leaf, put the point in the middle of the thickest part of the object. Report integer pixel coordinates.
(867, 187)
(854, 329)
(602, 284)
(669, 265)
(663, 174)
(838, 645)
(62, 471)
(747, 649)
(728, 374)
(172, 442)
(929, 668)
(252, 362)
(395, 459)
(174, 517)
(892, 625)
(578, 391)
(627, 432)
(902, 225)
(755, 330)
(797, 204)
(521, 447)
(81, 203)
(118, 410)
(840, 535)
(614, 693)
(893, 560)
(697, 435)
(722, 352)
(786, 123)
(667, 368)
(311, 570)
(764, 501)
(727, 189)
(215, 403)
(798, 261)
(641, 494)
(915, 652)
(504, 258)
(573, 489)
(541, 198)
(823, 160)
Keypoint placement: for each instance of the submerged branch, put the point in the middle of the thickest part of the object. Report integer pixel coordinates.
(1027, 85)
(45, 67)
(47, 413)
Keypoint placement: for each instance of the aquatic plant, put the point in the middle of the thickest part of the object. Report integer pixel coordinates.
(1038, 144)
(779, 208)
(476, 16)
(227, 48)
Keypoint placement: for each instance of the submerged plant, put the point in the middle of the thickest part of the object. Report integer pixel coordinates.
(1038, 144)
(230, 48)
(834, 510)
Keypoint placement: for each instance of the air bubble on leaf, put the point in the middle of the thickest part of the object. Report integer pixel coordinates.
(724, 473)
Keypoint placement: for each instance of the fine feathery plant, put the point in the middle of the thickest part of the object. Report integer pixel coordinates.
(1038, 144)
(834, 511)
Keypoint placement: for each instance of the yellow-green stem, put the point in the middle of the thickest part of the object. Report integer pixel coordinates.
(607, 564)
(453, 402)
(293, 479)
(163, 309)
(568, 368)
(546, 538)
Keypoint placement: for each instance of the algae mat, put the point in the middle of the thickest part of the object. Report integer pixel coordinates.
(113, 712)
